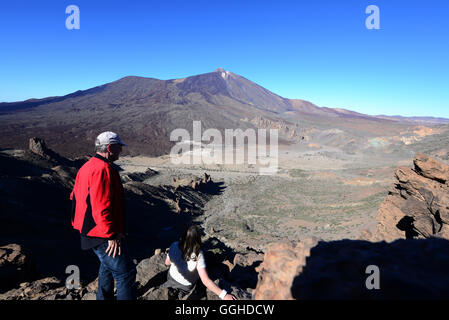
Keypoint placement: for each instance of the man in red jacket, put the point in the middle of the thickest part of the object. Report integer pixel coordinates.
(98, 213)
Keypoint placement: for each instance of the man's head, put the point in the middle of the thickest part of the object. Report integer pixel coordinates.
(109, 145)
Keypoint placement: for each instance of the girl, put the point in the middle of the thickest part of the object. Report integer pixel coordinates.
(186, 261)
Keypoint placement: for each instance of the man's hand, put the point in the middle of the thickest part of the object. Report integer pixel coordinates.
(113, 248)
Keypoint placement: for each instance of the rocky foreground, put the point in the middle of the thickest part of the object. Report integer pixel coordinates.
(409, 246)
(38, 243)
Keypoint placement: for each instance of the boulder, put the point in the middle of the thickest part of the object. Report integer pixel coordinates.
(431, 168)
(282, 262)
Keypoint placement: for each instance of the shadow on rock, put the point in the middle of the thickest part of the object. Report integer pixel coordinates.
(408, 269)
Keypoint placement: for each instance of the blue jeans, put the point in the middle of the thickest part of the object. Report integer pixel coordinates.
(121, 269)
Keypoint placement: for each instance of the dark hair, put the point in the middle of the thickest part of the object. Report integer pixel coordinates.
(190, 243)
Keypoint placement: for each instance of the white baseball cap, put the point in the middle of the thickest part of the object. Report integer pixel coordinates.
(108, 137)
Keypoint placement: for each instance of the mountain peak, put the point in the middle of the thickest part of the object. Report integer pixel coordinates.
(224, 74)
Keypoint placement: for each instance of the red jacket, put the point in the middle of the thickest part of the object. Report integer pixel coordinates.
(98, 208)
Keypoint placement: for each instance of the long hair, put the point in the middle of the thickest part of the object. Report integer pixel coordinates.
(190, 243)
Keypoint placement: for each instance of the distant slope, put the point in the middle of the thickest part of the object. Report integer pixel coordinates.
(421, 120)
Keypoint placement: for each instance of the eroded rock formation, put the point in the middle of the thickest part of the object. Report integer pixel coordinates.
(417, 205)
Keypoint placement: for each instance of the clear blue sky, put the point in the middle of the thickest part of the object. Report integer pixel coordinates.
(318, 50)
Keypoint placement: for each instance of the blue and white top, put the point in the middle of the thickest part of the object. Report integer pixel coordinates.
(185, 272)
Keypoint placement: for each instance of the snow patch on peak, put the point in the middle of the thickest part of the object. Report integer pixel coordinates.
(223, 73)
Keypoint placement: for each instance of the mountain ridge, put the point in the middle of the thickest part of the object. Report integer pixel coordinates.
(180, 82)
(145, 110)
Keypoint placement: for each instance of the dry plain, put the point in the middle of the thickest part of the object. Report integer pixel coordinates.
(322, 192)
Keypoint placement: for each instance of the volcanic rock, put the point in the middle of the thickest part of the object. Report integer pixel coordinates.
(417, 205)
(196, 183)
(138, 176)
(282, 262)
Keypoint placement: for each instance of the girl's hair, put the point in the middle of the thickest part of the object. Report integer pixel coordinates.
(190, 243)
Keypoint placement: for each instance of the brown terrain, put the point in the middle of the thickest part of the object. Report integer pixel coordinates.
(410, 238)
(351, 190)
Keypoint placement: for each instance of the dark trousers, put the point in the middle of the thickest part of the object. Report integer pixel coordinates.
(121, 269)
(180, 290)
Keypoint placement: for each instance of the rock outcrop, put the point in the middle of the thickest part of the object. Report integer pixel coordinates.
(196, 183)
(282, 262)
(417, 206)
(39, 147)
(287, 129)
(138, 176)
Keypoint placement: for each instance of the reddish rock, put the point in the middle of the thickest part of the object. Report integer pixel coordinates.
(431, 168)
(229, 264)
(282, 262)
(343, 270)
(417, 205)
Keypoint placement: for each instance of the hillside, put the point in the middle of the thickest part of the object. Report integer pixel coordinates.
(145, 110)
